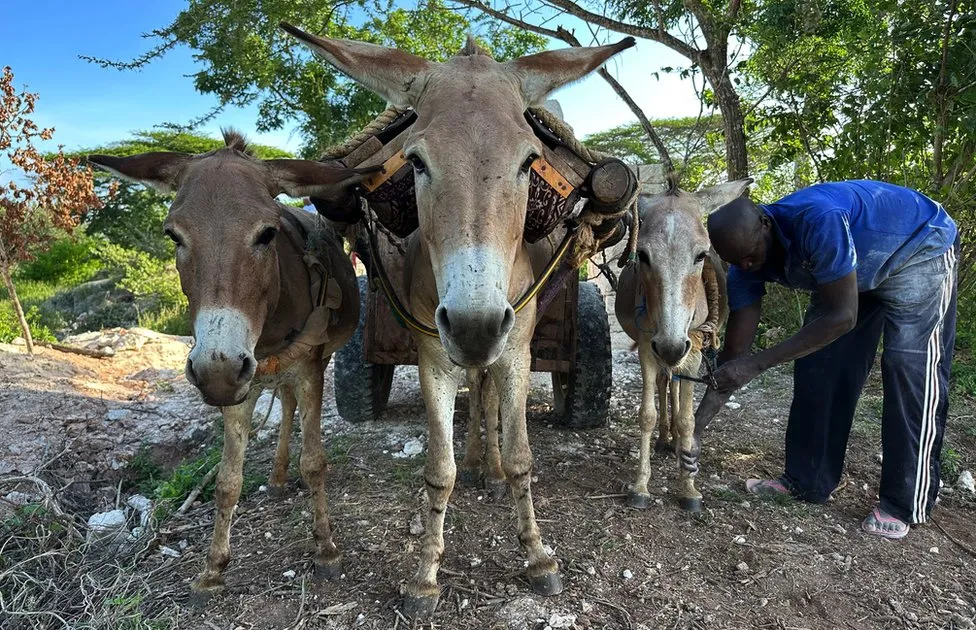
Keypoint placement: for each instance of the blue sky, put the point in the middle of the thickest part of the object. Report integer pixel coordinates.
(89, 105)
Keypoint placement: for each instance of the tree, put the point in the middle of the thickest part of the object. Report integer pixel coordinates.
(699, 31)
(57, 194)
(247, 59)
(133, 217)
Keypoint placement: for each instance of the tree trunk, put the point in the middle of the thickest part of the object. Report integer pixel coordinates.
(9, 282)
(733, 118)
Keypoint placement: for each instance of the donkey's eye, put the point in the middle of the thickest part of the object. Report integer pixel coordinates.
(700, 257)
(418, 164)
(266, 236)
(643, 257)
(527, 164)
(173, 236)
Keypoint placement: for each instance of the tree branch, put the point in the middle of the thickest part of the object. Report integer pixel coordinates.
(564, 35)
(655, 35)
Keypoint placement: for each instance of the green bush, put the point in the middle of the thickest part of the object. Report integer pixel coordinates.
(68, 261)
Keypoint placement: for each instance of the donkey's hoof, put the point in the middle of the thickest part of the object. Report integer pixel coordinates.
(328, 571)
(546, 584)
(419, 607)
(497, 489)
(201, 597)
(639, 500)
(470, 478)
(691, 504)
(277, 492)
(664, 447)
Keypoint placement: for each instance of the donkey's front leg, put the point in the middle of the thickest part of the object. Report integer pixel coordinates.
(439, 381)
(313, 464)
(278, 480)
(686, 448)
(494, 472)
(471, 465)
(237, 424)
(511, 377)
(638, 496)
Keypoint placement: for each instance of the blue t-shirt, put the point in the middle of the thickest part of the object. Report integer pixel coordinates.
(829, 230)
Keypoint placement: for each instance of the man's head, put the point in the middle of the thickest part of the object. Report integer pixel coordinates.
(742, 234)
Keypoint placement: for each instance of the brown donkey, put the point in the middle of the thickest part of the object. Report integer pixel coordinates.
(271, 296)
(471, 150)
(660, 302)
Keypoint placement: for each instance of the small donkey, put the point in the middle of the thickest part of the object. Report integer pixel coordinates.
(271, 296)
(661, 301)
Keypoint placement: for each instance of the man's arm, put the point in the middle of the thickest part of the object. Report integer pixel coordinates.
(740, 332)
(838, 316)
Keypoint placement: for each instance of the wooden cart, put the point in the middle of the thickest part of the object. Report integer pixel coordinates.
(571, 341)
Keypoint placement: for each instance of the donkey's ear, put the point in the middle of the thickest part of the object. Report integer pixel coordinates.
(159, 169)
(303, 178)
(714, 197)
(395, 75)
(544, 72)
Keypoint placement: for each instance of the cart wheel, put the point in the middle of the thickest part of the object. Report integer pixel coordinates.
(581, 398)
(361, 389)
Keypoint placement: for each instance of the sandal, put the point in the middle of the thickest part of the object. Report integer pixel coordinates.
(766, 487)
(880, 523)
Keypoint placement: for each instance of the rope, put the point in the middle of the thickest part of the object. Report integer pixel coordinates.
(379, 124)
(706, 335)
(564, 133)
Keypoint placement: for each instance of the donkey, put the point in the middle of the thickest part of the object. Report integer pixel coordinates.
(660, 302)
(472, 151)
(271, 296)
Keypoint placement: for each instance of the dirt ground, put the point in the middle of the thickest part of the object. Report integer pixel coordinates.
(742, 563)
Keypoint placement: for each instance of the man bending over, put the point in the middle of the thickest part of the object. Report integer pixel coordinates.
(878, 259)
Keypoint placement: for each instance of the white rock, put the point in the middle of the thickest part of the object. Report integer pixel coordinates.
(562, 620)
(106, 521)
(732, 405)
(586, 607)
(590, 571)
(879, 457)
(288, 574)
(966, 481)
(169, 551)
(115, 415)
(417, 525)
(628, 574)
(934, 550)
(742, 567)
(413, 447)
(20, 498)
(139, 503)
(739, 540)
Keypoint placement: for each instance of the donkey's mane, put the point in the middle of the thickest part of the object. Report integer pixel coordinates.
(234, 139)
(673, 178)
(471, 48)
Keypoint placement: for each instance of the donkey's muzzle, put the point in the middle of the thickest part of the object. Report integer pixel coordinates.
(671, 351)
(222, 380)
(474, 337)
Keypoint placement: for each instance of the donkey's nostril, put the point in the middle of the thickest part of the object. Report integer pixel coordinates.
(441, 319)
(687, 346)
(654, 347)
(508, 320)
(248, 366)
(190, 374)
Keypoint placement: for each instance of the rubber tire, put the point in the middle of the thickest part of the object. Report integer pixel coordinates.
(361, 389)
(581, 399)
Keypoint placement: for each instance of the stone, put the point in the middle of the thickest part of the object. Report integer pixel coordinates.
(966, 481)
(521, 613)
(169, 552)
(288, 574)
(562, 620)
(417, 525)
(742, 567)
(116, 415)
(110, 521)
(627, 574)
(20, 498)
(139, 503)
(733, 405)
(413, 447)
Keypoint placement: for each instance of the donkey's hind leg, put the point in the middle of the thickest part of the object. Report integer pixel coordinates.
(494, 473)
(314, 467)
(278, 480)
(470, 473)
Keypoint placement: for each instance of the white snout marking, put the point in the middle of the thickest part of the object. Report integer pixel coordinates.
(474, 278)
(221, 331)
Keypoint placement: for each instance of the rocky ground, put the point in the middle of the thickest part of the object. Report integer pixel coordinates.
(75, 421)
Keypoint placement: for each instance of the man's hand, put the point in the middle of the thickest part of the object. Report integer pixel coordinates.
(736, 373)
